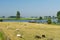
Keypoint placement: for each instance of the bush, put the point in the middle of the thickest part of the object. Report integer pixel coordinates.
(1, 20)
(43, 36)
(49, 21)
(37, 36)
(40, 18)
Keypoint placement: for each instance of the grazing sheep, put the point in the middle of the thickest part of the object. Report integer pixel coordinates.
(19, 35)
(37, 36)
(43, 36)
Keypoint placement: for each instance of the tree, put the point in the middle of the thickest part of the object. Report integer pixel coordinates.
(58, 16)
(18, 15)
(40, 18)
(49, 21)
(1, 20)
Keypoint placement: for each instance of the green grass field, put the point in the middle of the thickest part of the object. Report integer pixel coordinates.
(1, 36)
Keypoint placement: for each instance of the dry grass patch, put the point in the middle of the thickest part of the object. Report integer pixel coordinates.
(30, 30)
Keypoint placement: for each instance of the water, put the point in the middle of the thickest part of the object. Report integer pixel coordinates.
(41, 21)
(27, 20)
(16, 20)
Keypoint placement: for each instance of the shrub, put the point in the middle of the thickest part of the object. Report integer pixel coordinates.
(1, 20)
(43, 36)
(37, 36)
(49, 21)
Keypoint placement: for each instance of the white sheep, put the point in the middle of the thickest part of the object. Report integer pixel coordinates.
(19, 35)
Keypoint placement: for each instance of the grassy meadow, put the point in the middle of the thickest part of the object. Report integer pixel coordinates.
(28, 31)
(1, 36)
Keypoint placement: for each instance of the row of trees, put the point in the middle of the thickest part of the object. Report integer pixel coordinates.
(18, 16)
(49, 17)
(58, 15)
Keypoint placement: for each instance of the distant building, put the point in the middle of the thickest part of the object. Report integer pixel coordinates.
(45, 17)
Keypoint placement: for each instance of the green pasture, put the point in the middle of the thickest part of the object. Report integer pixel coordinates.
(1, 36)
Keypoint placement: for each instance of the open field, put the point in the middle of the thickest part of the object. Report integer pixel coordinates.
(29, 31)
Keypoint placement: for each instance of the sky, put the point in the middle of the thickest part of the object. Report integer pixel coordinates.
(28, 8)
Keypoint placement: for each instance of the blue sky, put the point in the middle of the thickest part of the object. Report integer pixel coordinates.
(29, 8)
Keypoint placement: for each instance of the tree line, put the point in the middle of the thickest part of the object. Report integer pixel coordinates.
(18, 16)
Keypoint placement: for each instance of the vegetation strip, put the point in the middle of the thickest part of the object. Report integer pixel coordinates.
(1, 36)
